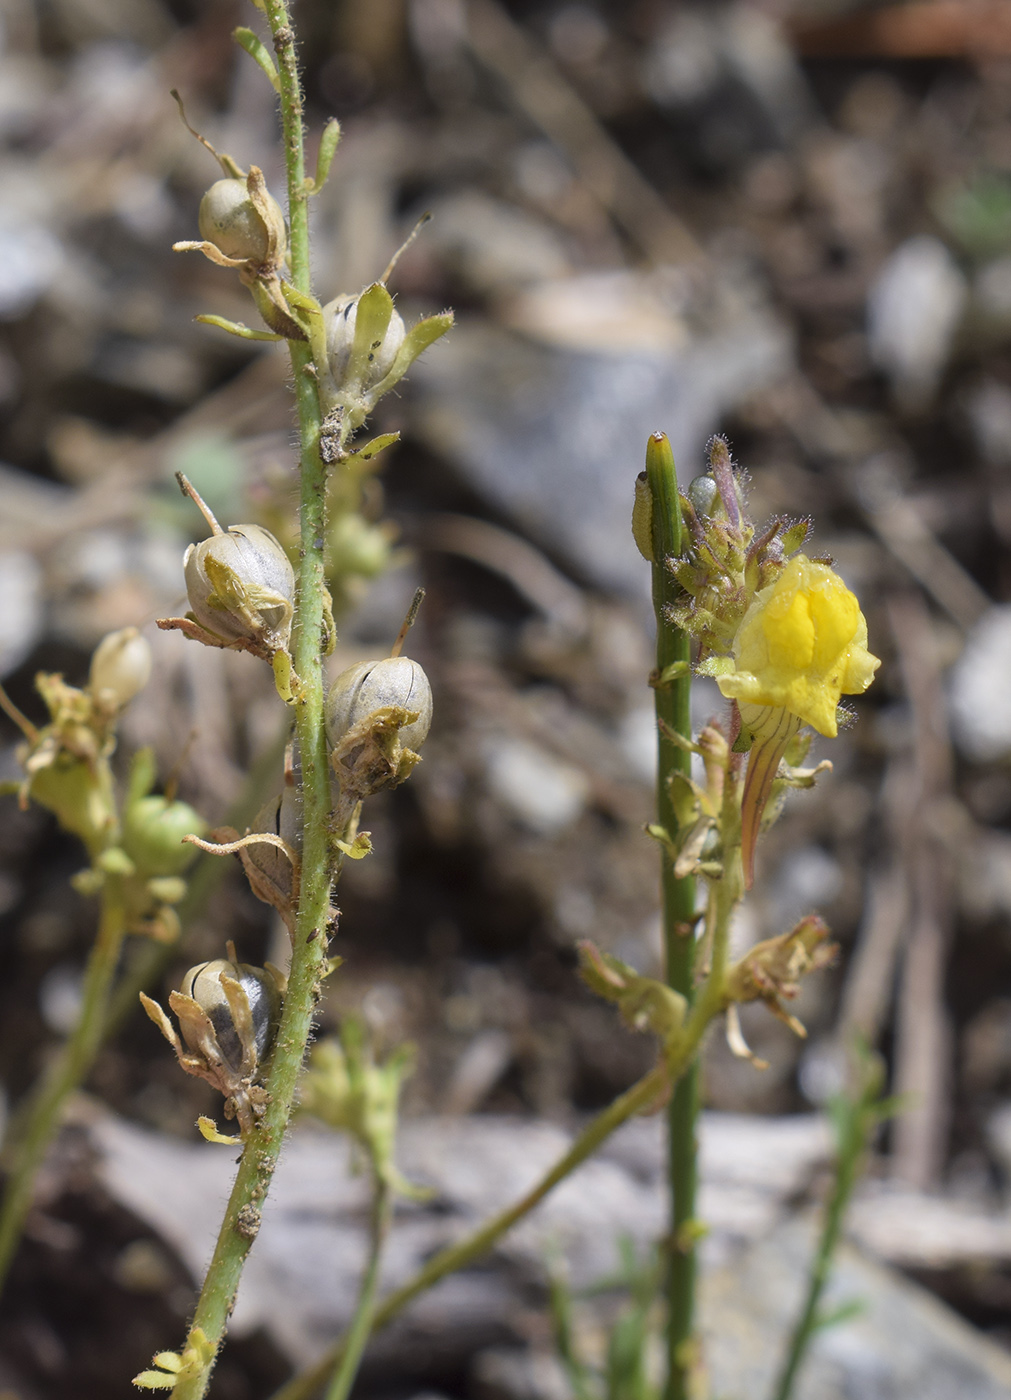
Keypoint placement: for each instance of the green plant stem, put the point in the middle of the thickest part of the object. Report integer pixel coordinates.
(309, 953)
(364, 1319)
(855, 1121)
(673, 710)
(67, 1072)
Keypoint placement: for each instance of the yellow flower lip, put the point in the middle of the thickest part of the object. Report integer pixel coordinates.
(801, 645)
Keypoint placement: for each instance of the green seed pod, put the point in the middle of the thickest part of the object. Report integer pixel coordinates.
(376, 685)
(153, 831)
(704, 495)
(230, 220)
(241, 585)
(356, 546)
(120, 668)
(203, 984)
(340, 317)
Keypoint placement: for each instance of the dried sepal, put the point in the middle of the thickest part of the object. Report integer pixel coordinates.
(227, 1013)
(772, 970)
(643, 1003)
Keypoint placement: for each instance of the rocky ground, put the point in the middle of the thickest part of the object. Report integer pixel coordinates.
(788, 222)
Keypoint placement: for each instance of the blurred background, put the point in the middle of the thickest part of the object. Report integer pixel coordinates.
(786, 221)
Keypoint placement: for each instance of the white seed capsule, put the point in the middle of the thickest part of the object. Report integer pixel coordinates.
(120, 668)
(241, 584)
(376, 685)
(203, 984)
(340, 317)
(229, 219)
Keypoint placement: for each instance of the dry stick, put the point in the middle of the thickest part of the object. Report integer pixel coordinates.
(309, 953)
(543, 94)
(923, 1054)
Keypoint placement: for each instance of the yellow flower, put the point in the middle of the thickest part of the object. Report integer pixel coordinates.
(802, 644)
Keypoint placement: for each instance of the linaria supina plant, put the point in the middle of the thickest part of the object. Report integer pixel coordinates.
(245, 1030)
(718, 582)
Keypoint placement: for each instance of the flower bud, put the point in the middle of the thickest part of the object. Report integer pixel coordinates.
(377, 685)
(230, 220)
(153, 831)
(340, 318)
(241, 586)
(203, 984)
(120, 668)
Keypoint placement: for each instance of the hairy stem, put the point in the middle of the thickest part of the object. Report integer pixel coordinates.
(66, 1074)
(673, 709)
(308, 964)
(364, 1319)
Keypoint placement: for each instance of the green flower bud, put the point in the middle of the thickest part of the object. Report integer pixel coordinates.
(340, 318)
(241, 228)
(241, 586)
(153, 831)
(377, 685)
(203, 984)
(120, 668)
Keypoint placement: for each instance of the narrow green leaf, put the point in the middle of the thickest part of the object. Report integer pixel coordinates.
(328, 144)
(366, 455)
(258, 52)
(237, 328)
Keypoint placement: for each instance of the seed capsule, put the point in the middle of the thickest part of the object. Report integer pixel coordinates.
(241, 585)
(376, 685)
(704, 495)
(340, 318)
(230, 220)
(120, 668)
(153, 831)
(203, 984)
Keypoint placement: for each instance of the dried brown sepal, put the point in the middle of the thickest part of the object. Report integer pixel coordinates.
(772, 970)
(201, 1051)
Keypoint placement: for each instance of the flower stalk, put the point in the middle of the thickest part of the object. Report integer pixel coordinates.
(67, 1073)
(673, 712)
(319, 864)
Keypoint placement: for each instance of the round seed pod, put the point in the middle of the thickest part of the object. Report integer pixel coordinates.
(229, 219)
(376, 685)
(120, 668)
(203, 984)
(340, 317)
(241, 584)
(704, 494)
(153, 831)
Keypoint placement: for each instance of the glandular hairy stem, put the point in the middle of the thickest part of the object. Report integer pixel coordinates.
(309, 954)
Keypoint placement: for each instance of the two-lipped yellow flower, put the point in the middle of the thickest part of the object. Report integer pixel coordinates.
(801, 645)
